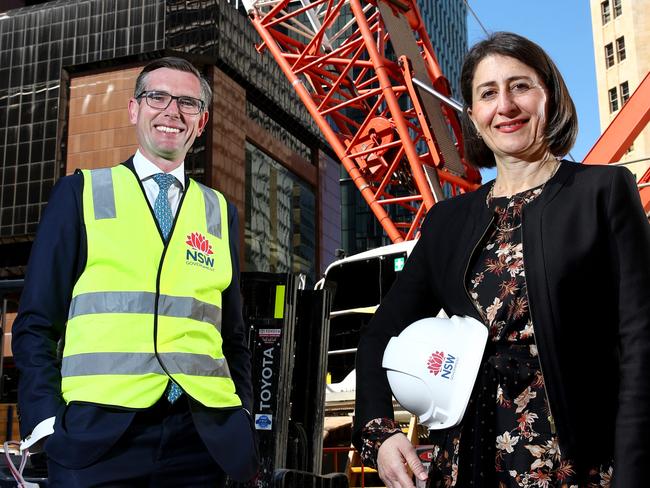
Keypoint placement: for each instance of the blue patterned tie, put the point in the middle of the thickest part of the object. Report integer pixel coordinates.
(163, 212)
(161, 207)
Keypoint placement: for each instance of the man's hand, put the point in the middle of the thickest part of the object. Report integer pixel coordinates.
(395, 454)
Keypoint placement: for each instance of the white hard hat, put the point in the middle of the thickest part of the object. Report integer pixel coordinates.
(432, 366)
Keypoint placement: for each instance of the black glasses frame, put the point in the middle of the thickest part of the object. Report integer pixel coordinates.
(147, 93)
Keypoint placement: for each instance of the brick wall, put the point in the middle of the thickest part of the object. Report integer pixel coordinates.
(99, 131)
(228, 172)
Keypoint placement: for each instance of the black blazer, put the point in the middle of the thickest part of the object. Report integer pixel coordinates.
(587, 262)
(84, 432)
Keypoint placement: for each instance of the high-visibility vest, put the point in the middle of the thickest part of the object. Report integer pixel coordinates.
(143, 311)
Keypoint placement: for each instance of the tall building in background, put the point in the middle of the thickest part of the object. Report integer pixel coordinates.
(67, 71)
(446, 23)
(621, 31)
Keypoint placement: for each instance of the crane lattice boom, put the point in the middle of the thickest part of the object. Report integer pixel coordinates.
(367, 73)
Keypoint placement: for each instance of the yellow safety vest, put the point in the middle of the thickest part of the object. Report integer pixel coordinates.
(142, 312)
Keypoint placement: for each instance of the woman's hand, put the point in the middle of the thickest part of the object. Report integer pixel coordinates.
(394, 455)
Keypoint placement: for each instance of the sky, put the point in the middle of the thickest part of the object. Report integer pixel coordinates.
(563, 29)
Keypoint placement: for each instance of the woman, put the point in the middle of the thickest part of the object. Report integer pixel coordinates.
(554, 258)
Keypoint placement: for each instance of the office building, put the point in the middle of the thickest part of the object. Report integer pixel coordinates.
(621, 30)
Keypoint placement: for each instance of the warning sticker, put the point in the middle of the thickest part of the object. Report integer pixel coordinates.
(269, 335)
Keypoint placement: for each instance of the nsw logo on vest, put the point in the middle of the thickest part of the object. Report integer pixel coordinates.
(442, 364)
(200, 251)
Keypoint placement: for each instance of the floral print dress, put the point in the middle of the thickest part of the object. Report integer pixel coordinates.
(509, 403)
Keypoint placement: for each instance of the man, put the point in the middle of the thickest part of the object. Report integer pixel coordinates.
(137, 266)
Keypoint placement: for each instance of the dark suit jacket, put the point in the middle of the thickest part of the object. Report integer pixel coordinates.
(84, 432)
(587, 263)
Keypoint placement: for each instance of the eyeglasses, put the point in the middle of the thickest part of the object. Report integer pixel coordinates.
(160, 100)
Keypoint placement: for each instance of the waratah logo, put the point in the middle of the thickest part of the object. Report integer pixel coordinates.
(199, 254)
(199, 242)
(435, 362)
(439, 361)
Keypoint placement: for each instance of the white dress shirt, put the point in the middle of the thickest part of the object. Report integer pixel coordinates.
(145, 170)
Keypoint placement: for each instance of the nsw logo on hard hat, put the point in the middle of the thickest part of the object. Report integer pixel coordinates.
(200, 251)
(442, 364)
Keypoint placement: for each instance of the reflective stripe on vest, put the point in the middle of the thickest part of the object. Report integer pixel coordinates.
(144, 302)
(133, 363)
(103, 195)
(142, 311)
(212, 210)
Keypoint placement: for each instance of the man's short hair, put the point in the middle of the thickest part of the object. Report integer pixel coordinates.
(178, 64)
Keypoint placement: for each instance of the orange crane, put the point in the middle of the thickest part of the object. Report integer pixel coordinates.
(367, 73)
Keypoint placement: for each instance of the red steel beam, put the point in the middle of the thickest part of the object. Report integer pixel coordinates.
(622, 131)
(626, 126)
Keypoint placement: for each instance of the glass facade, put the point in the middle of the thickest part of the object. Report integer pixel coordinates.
(360, 229)
(446, 22)
(280, 234)
(278, 132)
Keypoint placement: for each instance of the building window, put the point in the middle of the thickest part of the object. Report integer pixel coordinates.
(625, 92)
(277, 131)
(280, 234)
(618, 8)
(609, 55)
(620, 48)
(613, 100)
(605, 12)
